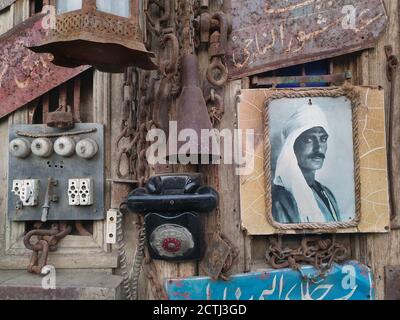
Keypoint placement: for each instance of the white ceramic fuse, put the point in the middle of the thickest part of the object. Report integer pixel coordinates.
(87, 148)
(42, 147)
(20, 148)
(64, 146)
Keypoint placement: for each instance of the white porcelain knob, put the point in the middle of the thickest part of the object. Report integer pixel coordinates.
(42, 147)
(87, 148)
(20, 148)
(64, 146)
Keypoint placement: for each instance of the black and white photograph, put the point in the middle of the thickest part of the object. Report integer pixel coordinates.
(312, 160)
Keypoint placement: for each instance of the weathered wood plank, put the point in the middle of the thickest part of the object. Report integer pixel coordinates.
(101, 113)
(383, 250)
(85, 285)
(3, 184)
(228, 182)
(71, 261)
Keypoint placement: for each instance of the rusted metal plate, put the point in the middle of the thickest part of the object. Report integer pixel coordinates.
(273, 34)
(392, 283)
(216, 254)
(5, 3)
(301, 80)
(25, 75)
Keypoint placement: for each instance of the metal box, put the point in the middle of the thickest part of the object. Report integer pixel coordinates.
(61, 169)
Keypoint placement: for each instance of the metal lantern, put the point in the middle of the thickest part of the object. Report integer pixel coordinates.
(103, 33)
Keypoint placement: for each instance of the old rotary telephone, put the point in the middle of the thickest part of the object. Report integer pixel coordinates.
(171, 204)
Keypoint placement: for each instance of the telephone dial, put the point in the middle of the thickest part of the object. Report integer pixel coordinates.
(171, 204)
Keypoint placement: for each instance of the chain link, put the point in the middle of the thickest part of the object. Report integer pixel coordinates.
(320, 253)
(231, 258)
(47, 241)
(128, 124)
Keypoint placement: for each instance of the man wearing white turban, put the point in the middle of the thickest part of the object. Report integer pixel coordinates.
(297, 197)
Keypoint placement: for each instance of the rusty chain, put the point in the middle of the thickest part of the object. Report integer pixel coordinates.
(144, 115)
(318, 252)
(185, 15)
(136, 122)
(217, 72)
(168, 62)
(213, 30)
(231, 258)
(48, 241)
(156, 25)
(128, 123)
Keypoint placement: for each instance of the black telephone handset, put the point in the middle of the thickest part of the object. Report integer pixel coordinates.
(171, 204)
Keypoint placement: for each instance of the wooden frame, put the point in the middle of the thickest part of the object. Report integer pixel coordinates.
(309, 94)
(368, 115)
(75, 252)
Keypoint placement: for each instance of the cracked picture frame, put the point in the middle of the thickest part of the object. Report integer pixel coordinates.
(320, 161)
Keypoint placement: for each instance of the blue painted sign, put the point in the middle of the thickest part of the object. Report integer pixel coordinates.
(350, 281)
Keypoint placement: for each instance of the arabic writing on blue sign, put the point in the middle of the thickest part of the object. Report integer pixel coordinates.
(351, 281)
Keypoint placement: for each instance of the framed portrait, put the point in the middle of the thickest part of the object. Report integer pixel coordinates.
(320, 161)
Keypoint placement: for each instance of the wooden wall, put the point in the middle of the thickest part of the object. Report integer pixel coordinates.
(376, 251)
(368, 68)
(379, 251)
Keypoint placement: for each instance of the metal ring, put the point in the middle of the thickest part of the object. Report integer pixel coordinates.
(170, 67)
(217, 64)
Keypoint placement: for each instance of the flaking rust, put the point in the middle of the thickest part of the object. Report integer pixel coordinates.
(272, 34)
(25, 75)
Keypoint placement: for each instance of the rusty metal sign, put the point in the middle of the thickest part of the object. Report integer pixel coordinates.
(25, 75)
(216, 254)
(5, 3)
(272, 34)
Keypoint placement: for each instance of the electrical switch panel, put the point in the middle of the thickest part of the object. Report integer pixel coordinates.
(80, 192)
(27, 191)
(72, 158)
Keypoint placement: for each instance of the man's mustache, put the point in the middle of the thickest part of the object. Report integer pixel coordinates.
(317, 155)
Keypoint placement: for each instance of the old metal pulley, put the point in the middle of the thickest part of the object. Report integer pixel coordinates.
(103, 33)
